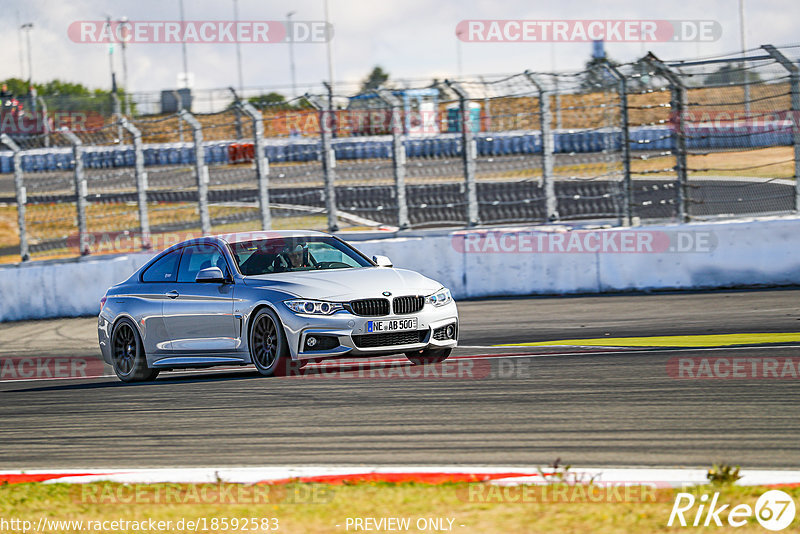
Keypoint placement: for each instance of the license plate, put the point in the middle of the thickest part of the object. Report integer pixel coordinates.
(392, 325)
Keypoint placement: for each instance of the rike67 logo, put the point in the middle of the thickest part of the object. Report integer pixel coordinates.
(774, 510)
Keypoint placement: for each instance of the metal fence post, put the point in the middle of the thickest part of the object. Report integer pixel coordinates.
(328, 158)
(487, 107)
(794, 80)
(19, 188)
(548, 149)
(398, 157)
(627, 189)
(468, 153)
(179, 99)
(201, 171)
(141, 182)
(557, 102)
(117, 111)
(237, 111)
(45, 120)
(681, 103)
(238, 119)
(80, 190)
(678, 104)
(262, 163)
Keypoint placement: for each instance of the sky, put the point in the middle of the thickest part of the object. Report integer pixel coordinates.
(409, 39)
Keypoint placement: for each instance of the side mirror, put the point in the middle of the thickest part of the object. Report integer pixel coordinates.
(382, 261)
(210, 275)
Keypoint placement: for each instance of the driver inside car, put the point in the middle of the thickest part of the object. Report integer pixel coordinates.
(293, 258)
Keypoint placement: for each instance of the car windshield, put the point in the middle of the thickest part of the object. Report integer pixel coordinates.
(280, 255)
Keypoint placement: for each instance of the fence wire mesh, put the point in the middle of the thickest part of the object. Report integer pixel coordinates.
(365, 191)
(654, 183)
(170, 177)
(478, 113)
(589, 144)
(737, 124)
(296, 178)
(508, 172)
(50, 218)
(232, 180)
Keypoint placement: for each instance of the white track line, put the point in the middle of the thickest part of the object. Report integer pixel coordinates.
(660, 477)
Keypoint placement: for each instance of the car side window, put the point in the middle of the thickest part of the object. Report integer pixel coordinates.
(198, 257)
(163, 270)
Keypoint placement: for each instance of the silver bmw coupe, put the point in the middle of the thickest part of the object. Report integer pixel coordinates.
(273, 300)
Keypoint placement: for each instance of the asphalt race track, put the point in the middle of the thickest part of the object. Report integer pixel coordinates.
(525, 405)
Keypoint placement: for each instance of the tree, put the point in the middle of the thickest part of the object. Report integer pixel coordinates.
(62, 96)
(16, 86)
(268, 99)
(277, 100)
(374, 80)
(54, 88)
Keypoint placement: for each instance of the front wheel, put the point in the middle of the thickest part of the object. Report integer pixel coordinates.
(130, 363)
(428, 356)
(268, 347)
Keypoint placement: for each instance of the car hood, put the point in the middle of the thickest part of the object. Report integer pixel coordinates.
(347, 284)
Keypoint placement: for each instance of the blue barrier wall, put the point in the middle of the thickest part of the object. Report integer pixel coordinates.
(442, 145)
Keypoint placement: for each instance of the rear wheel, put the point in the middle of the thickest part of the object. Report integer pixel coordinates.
(428, 356)
(268, 347)
(130, 362)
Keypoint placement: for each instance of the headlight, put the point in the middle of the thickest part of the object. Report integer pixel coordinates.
(313, 307)
(440, 298)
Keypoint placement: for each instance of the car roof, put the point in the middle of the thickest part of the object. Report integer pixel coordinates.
(239, 237)
(231, 238)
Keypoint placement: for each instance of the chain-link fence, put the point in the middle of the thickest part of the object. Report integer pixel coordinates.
(615, 144)
(737, 123)
(170, 176)
(297, 179)
(43, 200)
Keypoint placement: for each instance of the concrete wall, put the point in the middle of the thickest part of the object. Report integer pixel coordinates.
(538, 261)
(510, 261)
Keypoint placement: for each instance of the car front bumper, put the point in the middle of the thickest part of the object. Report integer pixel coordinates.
(353, 340)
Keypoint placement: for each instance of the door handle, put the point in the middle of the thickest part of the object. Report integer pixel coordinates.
(172, 294)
